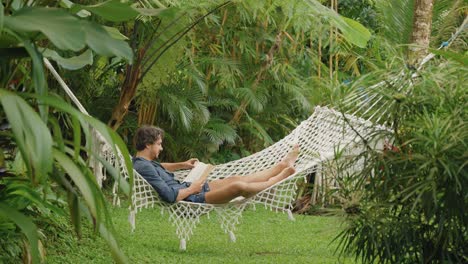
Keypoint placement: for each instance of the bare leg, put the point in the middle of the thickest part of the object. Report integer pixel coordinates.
(240, 188)
(260, 176)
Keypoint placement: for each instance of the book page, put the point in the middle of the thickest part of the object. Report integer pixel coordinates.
(199, 170)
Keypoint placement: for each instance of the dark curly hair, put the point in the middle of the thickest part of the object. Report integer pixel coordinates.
(147, 135)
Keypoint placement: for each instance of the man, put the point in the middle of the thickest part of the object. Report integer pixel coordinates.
(148, 142)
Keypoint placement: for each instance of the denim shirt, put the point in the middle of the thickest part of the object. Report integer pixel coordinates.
(159, 178)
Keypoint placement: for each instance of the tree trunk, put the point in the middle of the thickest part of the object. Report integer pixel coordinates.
(420, 36)
(147, 112)
(127, 93)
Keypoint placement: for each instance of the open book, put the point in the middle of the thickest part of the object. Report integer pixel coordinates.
(200, 170)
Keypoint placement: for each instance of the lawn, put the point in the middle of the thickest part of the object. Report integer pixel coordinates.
(262, 237)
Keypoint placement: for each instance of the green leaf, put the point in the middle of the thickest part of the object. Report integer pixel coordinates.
(2, 17)
(26, 226)
(25, 191)
(152, 12)
(115, 33)
(461, 58)
(352, 30)
(102, 42)
(31, 134)
(72, 63)
(73, 204)
(76, 137)
(40, 84)
(67, 32)
(86, 187)
(66, 3)
(63, 29)
(113, 10)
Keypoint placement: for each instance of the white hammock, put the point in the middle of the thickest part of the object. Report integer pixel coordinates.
(318, 137)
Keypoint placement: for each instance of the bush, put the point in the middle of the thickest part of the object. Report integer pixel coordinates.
(414, 204)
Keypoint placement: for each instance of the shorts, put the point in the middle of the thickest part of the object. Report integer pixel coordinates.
(199, 197)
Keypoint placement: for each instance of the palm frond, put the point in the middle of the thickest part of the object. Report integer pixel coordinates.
(396, 19)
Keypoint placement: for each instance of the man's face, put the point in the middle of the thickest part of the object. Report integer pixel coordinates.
(156, 148)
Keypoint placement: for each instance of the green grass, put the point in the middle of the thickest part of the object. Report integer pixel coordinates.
(262, 237)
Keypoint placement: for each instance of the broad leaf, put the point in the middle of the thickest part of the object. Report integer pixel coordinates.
(72, 63)
(31, 134)
(353, 31)
(67, 32)
(113, 10)
(63, 29)
(115, 33)
(102, 42)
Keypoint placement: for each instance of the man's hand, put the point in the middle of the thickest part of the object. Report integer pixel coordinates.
(189, 164)
(196, 187)
(184, 165)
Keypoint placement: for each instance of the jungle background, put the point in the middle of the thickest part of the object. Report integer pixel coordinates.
(225, 80)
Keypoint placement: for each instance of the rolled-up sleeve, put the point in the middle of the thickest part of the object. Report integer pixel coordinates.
(151, 175)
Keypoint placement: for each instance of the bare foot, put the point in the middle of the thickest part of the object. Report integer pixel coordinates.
(286, 172)
(291, 157)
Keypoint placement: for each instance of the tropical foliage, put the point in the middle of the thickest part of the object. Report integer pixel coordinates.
(49, 167)
(411, 195)
(412, 206)
(225, 79)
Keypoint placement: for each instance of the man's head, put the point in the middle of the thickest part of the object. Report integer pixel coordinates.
(149, 139)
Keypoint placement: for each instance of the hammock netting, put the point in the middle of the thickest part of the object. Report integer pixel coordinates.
(319, 137)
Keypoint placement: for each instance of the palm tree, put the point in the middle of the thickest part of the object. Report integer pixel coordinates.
(420, 35)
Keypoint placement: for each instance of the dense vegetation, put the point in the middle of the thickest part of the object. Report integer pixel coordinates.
(226, 79)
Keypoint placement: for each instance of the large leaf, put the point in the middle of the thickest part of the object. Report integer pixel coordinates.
(115, 33)
(63, 29)
(26, 225)
(72, 63)
(67, 32)
(31, 134)
(353, 31)
(102, 42)
(113, 10)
